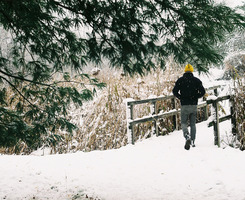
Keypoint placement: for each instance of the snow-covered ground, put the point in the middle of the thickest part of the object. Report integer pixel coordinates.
(158, 168)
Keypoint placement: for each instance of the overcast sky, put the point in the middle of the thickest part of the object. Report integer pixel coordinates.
(231, 3)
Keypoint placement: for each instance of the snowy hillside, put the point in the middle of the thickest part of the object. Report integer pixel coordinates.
(158, 169)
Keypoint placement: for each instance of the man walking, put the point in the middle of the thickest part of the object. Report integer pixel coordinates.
(188, 89)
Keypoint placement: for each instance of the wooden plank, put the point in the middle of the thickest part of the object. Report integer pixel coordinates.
(213, 87)
(222, 119)
(151, 100)
(202, 104)
(159, 116)
(217, 133)
(154, 117)
(175, 124)
(131, 126)
(161, 98)
(209, 101)
(233, 117)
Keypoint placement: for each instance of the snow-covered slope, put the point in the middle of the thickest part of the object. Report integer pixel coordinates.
(158, 168)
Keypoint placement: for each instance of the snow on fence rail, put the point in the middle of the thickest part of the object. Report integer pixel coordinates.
(130, 103)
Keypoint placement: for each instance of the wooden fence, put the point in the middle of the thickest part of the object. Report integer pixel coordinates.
(131, 122)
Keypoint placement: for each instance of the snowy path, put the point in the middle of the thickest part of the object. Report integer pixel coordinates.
(155, 169)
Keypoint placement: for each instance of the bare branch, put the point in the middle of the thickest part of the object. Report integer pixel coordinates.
(24, 79)
(13, 86)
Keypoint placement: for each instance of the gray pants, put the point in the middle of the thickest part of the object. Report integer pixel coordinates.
(188, 112)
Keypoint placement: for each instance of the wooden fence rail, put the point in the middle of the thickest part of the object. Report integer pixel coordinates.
(131, 122)
(217, 120)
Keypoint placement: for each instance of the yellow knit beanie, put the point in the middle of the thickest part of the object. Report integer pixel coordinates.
(188, 68)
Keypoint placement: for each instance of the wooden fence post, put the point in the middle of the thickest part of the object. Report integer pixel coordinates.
(130, 118)
(216, 124)
(205, 109)
(216, 92)
(153, 112)
(132, 126)
(175, 122)
(233, 116)
(216, 120)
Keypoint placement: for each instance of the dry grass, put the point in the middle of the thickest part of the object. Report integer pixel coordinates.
(239, 96)
(104, 120)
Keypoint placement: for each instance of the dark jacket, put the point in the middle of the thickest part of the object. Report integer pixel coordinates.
(188, 89)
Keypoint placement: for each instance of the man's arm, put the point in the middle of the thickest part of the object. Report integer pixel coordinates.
(176, 89)
(201, 90)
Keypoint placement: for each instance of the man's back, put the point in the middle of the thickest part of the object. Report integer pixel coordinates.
(188, 89)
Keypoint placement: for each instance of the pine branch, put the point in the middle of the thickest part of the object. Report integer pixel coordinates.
(16, 89)
(176, 23)
(24, 79)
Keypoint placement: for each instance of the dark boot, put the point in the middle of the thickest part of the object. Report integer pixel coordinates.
(187, 144)
(193, 143)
